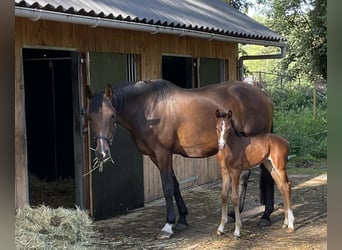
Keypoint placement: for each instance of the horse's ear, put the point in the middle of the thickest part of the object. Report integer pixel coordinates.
(230, 114)
(89, 92)
(109, 92)
(218, 115)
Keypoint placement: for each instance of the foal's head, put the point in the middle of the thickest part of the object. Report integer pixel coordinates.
(102, 117)
(223, 127)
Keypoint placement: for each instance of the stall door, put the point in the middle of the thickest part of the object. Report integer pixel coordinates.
(211, 70)
(119, 187)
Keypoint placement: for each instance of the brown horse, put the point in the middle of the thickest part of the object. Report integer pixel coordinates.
(238, 153)
(164, 119)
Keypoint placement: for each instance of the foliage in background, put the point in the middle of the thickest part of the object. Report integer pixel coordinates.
(294, 119)
(241, 5)
(291, 81)
(304, 24)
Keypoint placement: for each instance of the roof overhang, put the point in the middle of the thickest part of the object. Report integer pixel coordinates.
(39, 14)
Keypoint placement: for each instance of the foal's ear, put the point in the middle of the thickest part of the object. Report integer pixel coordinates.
(109, 92)
(230, 114)
(89, 92)
(218, 115)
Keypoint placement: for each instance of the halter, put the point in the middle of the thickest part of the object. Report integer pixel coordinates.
(109, 140)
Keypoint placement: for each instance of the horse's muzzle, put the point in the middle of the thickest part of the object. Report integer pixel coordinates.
(102, 151)
(102, 155)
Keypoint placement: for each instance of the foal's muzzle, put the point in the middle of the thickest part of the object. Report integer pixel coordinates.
(221, 146)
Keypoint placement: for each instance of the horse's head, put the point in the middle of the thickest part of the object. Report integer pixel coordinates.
(223, 127)
(102, 117)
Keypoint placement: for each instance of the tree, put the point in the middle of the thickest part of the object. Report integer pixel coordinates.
(241, 5)
(318, 38)
(303, 23)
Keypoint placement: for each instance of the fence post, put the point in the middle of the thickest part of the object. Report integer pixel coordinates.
(314, 101)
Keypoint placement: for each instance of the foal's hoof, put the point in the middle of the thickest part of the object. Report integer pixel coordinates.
(264, 222)
(163, 235)
(180, 226)
(218, 232)
(289, 229)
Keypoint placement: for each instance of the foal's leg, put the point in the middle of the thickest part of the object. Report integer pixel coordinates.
(280, 177)
(183, 211)
(242, 192)
(224, 199)
(224, 193)
(235, 174)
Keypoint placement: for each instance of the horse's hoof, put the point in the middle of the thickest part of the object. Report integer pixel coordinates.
(264, 222)
(163, 235)
(290, 230)
(180, 226)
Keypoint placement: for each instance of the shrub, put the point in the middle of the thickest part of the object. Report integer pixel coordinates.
(294, 119)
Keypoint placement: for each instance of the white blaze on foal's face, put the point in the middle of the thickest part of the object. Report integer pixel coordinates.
(222, 140)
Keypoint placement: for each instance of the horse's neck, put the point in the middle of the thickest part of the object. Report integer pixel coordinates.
(128, 107)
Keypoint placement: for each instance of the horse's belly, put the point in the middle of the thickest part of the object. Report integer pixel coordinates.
(197, 151)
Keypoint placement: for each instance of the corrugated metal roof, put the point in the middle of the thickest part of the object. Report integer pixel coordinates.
(210, 16)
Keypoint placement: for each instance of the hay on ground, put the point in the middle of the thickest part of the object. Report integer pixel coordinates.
(53, 193)
(47, 228)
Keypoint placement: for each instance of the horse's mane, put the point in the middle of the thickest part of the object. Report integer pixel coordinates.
(96, 102)
(158, 88)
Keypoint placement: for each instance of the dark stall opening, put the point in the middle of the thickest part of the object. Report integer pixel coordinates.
(49, 127)
(178, 70)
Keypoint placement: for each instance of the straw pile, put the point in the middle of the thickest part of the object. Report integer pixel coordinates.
(46, 228)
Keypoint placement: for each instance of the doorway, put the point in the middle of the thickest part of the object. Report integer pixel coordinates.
(178, 70)
(50, 77)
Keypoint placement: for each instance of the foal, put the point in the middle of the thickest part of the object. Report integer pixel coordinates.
(237, 153)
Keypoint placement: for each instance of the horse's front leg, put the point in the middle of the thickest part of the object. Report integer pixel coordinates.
(183, 211)
(163, 160)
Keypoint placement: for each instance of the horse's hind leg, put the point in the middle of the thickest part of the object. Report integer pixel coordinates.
(183, 211)
(266, 195)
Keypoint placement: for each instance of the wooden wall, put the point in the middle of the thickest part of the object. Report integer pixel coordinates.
(149, 47)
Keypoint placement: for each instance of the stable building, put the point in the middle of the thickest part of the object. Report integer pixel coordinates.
(61, 46)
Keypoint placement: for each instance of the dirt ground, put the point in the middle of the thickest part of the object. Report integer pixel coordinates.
(138, 228)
